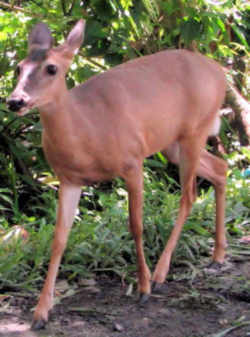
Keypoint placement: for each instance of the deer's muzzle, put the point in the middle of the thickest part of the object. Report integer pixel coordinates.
(16, 104)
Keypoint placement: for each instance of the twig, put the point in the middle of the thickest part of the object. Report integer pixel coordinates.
(97, 64)
(71, 8)
(90, 60)
(241, 109)
(63, 7)
(225, 332)
(19, 9)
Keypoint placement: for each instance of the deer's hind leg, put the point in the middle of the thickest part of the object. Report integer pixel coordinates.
(213, 169)
(189, 156)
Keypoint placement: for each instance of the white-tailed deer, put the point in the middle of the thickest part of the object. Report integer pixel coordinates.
(104, 129)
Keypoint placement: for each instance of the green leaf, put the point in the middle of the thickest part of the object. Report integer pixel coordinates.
(240, 34)
(191, 30)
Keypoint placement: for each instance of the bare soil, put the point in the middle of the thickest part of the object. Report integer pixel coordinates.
(198, 302)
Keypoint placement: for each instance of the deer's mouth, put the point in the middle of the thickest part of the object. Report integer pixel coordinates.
(29, 105)
(20, 105)
(24, 110)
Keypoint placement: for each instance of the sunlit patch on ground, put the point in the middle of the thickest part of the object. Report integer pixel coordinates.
(9, 328)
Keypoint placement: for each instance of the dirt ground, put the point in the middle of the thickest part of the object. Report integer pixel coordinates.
(197, 302)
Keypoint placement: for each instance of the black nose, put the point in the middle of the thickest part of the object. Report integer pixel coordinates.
(16, 104)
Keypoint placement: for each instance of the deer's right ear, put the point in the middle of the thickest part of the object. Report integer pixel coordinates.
(75, 37)
(40, 37)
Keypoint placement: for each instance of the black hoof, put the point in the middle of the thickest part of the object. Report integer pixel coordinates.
(215, 265)
(159, 288)
(38, 325)
(143, 298)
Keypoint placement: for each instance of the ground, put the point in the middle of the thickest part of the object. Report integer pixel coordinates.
(196, 302)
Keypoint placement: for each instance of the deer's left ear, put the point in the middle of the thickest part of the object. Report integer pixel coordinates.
(40, 37)
(75, 37)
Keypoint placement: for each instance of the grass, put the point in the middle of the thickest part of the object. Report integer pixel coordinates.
(100, 240)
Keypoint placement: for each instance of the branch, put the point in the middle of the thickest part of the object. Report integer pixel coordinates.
(71, 8)
(19, 9)
(95, 63)
(241, 109)
(63, 7)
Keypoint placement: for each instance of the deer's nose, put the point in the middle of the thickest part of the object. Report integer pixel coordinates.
(16, 104)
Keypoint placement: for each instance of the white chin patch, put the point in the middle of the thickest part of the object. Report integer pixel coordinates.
(24, 111)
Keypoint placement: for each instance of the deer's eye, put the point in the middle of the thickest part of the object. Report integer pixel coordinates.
(51, 69)
(18, 70)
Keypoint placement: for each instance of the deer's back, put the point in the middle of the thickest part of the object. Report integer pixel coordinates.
(154, 99)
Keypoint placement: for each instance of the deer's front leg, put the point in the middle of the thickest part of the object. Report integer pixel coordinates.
(68, 200)
(135, 194)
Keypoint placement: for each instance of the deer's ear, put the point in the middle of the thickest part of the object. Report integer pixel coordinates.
(40, 37)
(75, 37)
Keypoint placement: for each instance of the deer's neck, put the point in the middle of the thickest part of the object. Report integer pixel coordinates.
(57, 115)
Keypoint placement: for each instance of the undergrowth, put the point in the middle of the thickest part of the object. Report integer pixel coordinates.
(100, 240)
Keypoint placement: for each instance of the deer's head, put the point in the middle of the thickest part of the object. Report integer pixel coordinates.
(41, 74)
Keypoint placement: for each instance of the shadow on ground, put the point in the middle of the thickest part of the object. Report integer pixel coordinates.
(201, 304)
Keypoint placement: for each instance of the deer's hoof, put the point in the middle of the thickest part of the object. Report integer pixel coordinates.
(38, 324)
(158, 288)
(215, 265)
(143, 298)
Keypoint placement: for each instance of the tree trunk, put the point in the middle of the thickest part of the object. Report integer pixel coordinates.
(241, 109)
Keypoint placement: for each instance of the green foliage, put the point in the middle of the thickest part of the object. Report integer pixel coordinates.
(100, 240)
(21, 163)
(22, 263)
